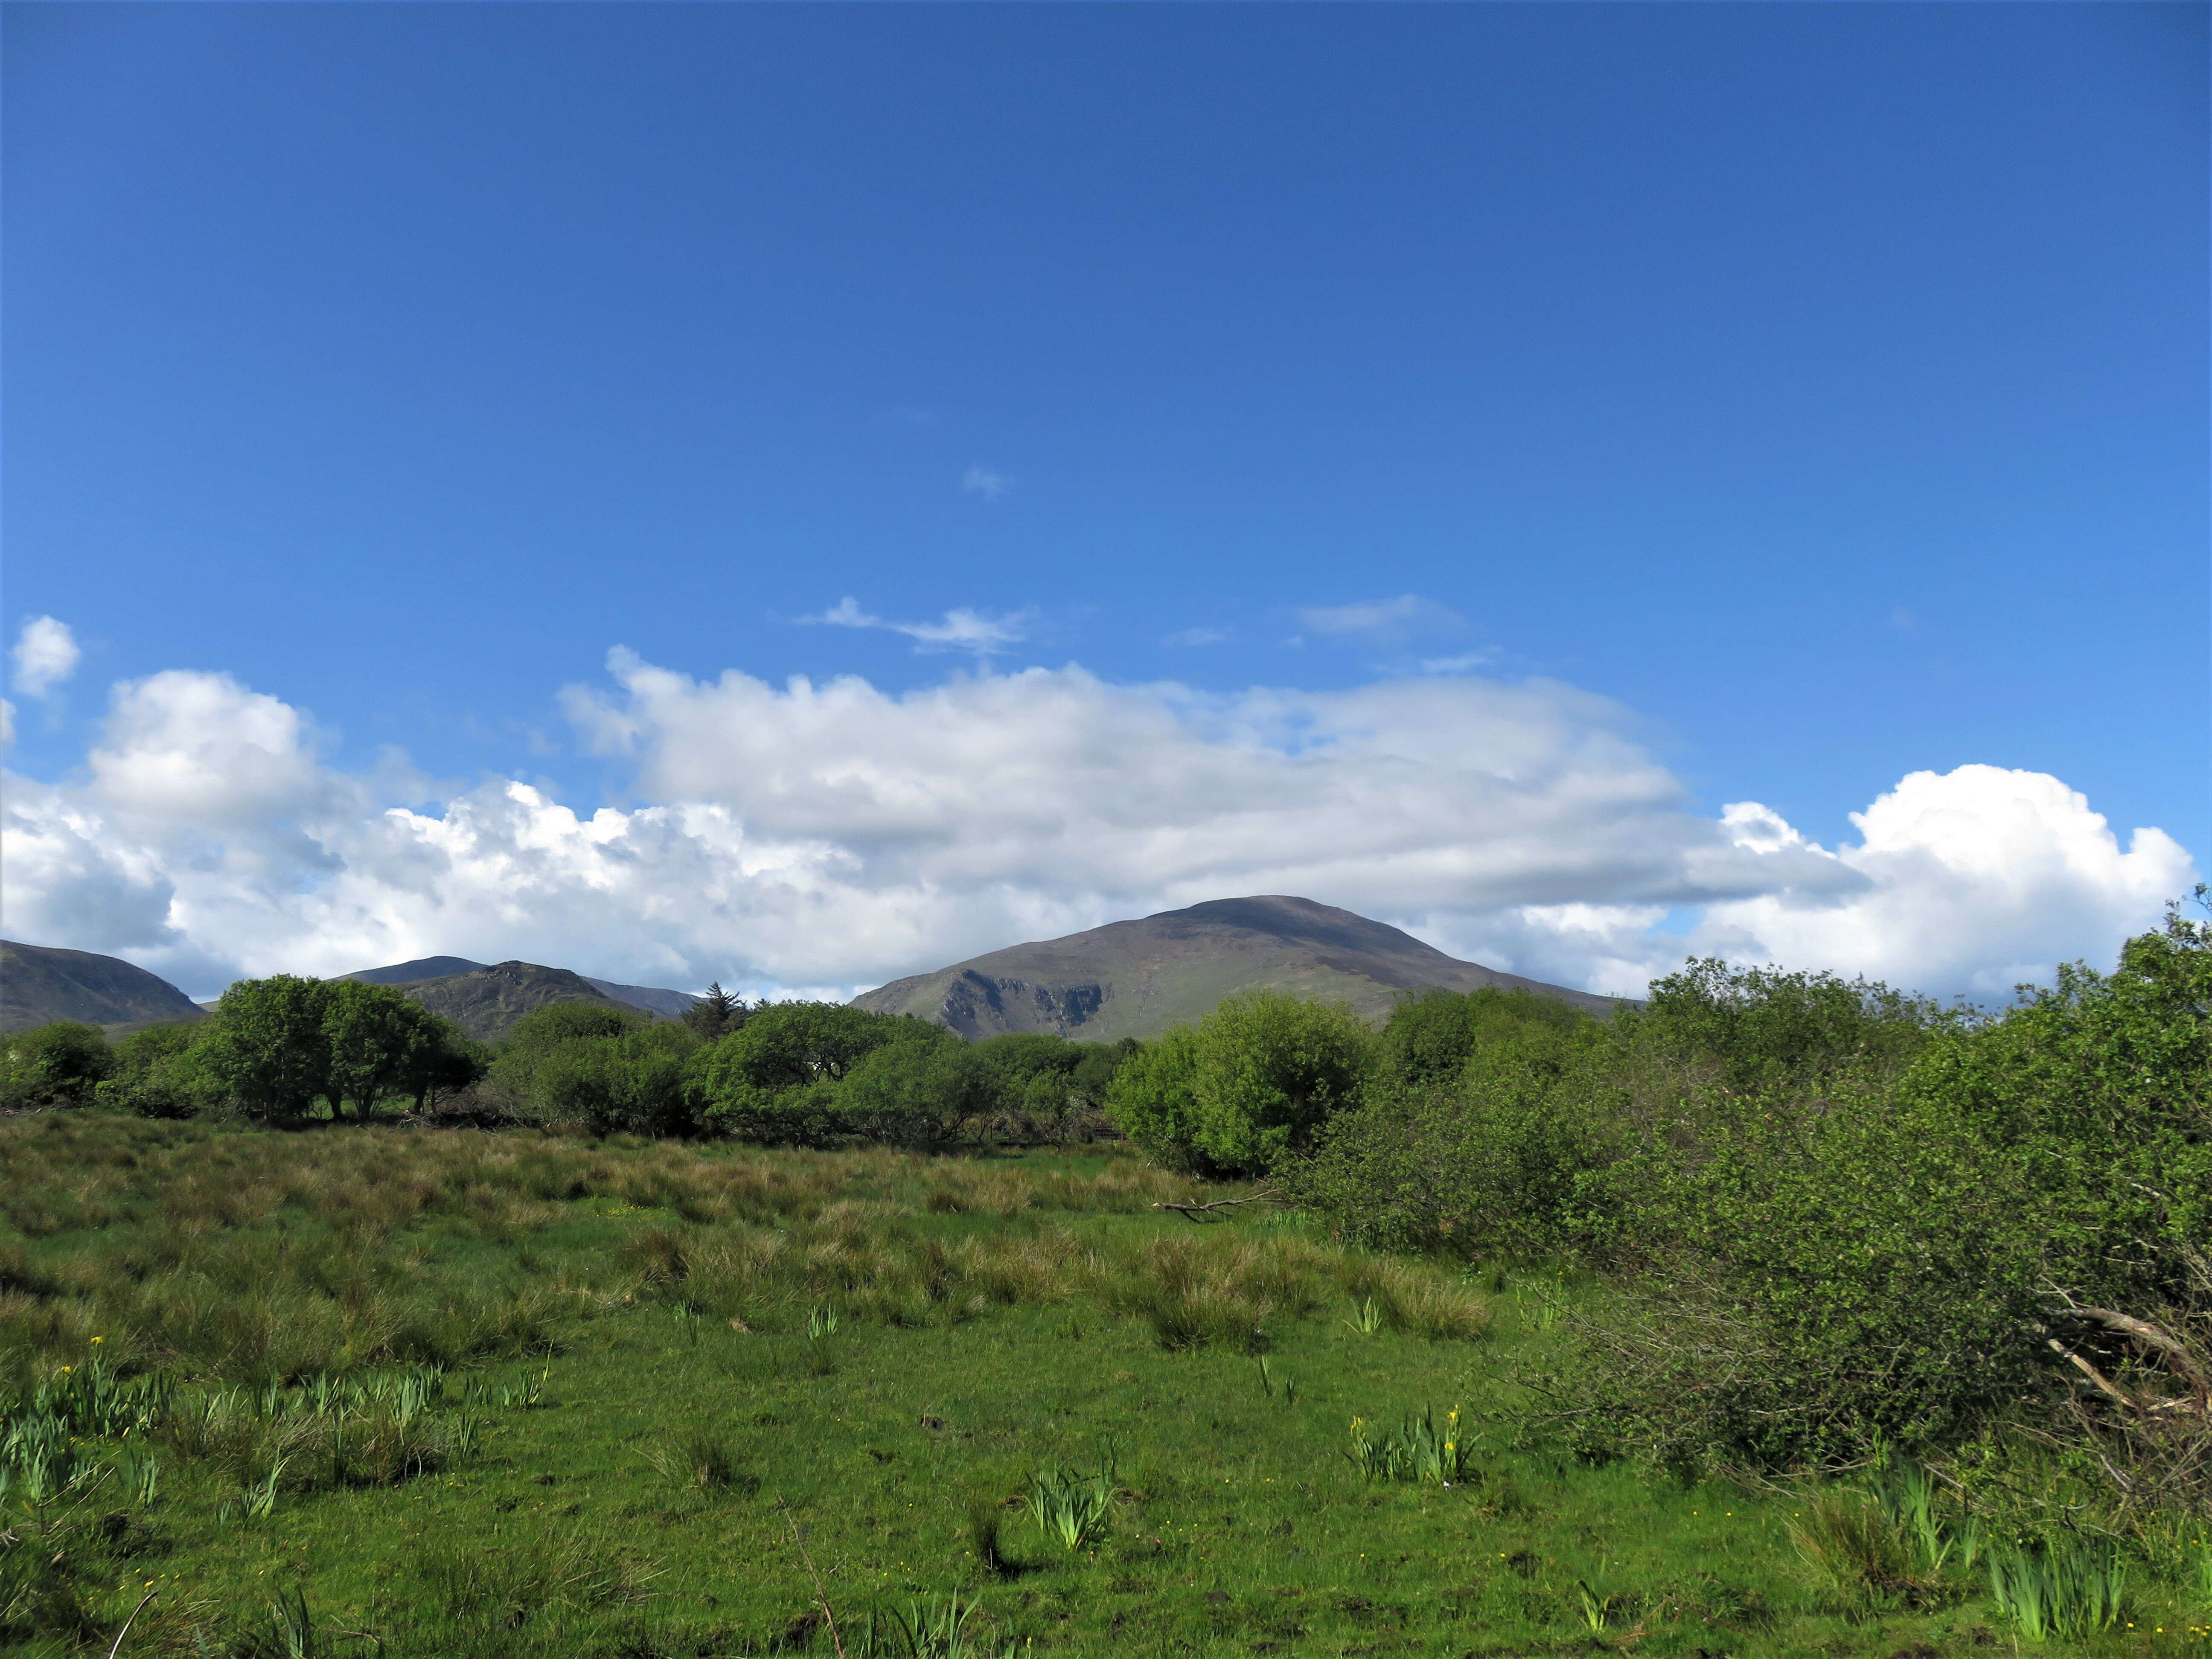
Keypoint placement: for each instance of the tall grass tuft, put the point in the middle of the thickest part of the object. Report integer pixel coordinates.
(928, 1629)
(706, 1463)
(1846, 1539)
(983, 1525)
(1418, 1449)
(1072, 1508)
(2064, 1585)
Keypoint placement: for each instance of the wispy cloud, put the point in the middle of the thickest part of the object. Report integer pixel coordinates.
(984, 481)
(1196, 636)
(961, 629)
(1382, 620)
(1466, 662)
(45, 654)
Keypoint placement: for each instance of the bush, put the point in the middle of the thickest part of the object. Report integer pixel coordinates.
(1249, 1088)
(600, 1070)
(1915, 1252)
(778, 1080)
(58, 1064)
(1500, 1156)
(1431, 1036)
(159, 1073)
(1763, 1028)
(922, 1091)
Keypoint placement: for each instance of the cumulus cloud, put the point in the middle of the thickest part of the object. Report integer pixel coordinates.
(831, 834)
(46, 655)
(1977, 879)
(982, 481)
(961, 629)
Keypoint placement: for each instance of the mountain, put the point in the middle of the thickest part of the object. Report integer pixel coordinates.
(406, 973)
(1138, 978)
(486, 1002)
(39, 983)
(669, 1005)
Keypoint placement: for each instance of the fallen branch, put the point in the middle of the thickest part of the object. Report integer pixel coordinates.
(2091, 1373)
(1200, 1212)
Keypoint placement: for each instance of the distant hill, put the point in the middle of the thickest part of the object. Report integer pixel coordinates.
(486, 1002)
(39, 983)
(1139, 978)
(406, 973)
(669, 1005)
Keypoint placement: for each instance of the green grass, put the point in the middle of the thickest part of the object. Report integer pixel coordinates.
(519, 1395)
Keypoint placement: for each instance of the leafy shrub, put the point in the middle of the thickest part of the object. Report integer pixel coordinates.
(1430, 1036)
(1763, 1028)
(601, 1070)
(58, 1064)
(159, 1073)
(1914, 1258)
(920, 1091)
(1249, 1088)
(1500, 1158)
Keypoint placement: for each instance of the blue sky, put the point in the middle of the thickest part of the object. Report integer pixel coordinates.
(1822, 388)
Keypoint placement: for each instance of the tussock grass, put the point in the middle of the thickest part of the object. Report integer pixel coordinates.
(524, 1396)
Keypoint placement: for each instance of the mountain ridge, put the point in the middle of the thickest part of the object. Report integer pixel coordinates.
(40, 983)
(1140, 977)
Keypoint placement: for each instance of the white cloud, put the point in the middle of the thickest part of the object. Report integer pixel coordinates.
(1382, 621)
(1192, 637)
(961, 629)
(1466, 662)
(46, 655)
(1977, 879)
(982, 481)
(831, 834)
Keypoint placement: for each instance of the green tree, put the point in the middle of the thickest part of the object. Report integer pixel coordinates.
(58, 1064)
(921, 1090)
(379, 1040)
(716, 1014)
(1864, 1256)
(268, 1052)
(631, 1083)
(1501, 1156)
(1763, 1028)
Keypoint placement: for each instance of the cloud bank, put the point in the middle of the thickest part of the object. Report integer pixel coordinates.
(828, 835)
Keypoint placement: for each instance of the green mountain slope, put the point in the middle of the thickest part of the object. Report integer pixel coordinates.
(654, 1000)
(1139, 978)
(486, 1002)
(39, 983)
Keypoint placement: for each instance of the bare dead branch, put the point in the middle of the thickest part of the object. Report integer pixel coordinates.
(1201, 1212)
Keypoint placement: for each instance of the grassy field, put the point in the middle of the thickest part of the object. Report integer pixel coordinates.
(449, 1392)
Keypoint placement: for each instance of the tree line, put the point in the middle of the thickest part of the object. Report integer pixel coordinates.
(287, 1050)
